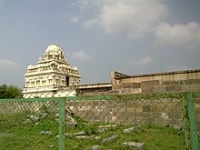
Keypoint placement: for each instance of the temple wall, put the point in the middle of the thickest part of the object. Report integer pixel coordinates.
(59, 93)
(183, 81)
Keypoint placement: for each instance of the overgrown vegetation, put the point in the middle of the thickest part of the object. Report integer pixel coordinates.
(16, 133)
(10, 91)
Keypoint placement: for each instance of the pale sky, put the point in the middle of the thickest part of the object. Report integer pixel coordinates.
(98, 36)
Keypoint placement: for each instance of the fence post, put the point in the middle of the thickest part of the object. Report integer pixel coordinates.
(61, 136)
(190, 123)
(186, 121)
(193, 124)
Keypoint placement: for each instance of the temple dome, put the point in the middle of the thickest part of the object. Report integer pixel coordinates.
(54, 51)
(53, 48)
(30, 67)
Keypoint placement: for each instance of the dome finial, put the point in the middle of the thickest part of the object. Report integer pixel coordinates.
(53, 48)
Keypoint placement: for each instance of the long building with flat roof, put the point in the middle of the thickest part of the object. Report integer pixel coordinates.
(175, 81)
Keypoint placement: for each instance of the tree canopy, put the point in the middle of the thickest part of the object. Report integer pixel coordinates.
(10, 91)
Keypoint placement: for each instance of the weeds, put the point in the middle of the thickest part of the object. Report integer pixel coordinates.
(16, 135)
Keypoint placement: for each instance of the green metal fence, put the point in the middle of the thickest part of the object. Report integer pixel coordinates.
(142, 121)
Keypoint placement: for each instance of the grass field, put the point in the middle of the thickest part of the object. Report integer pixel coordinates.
(16, 134)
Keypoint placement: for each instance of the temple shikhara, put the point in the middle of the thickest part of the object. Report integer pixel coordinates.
(52, 76)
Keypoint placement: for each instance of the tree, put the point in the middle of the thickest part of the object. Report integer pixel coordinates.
(10, 91)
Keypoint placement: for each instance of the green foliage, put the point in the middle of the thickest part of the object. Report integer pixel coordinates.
(10, 91)
(44, 108)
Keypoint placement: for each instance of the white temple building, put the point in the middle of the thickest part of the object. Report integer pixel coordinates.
(52, 76)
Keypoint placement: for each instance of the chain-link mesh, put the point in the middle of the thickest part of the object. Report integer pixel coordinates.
(28, 125)
(121, 124)
(147, 122)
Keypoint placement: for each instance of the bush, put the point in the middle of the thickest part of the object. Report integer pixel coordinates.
(10, 91)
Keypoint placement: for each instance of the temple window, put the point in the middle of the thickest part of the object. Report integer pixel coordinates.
(50, 81)
(63, 82)
(32, 83)
(44, 82)
(50, 57)
(57, 81)
(38, 82)
(67, 80)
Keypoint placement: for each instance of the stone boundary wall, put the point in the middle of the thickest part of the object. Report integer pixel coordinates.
(180, 81)
(94, 89)
(137, 112)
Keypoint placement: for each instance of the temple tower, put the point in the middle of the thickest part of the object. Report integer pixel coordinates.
(52, 76)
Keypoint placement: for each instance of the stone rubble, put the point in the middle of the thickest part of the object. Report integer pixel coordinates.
(46, 132)
(95, 147)
(129, 130)
(103, 128)
(27, 121)
(138, 146)
(108, 126)
(79, 133)
(109, 138)
(70, 121)
(34, 117)
(82, 137)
